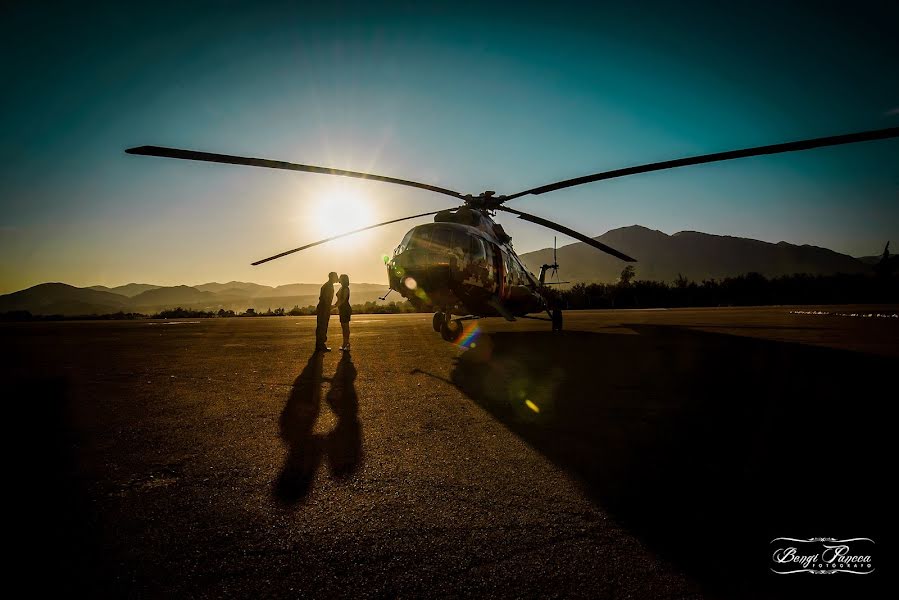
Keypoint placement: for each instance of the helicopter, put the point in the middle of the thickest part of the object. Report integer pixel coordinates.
(463, 264)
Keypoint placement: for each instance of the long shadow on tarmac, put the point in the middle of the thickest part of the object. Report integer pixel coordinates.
(344, 442)
(343, 445)
(51, 526)
(297, 422)
(705, 446)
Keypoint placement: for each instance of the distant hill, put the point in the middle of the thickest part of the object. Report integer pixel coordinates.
(301, 289)
(129, 290)
(696, 255)
(245, 289)
(63, 299)
(249, 289)
(172, 297)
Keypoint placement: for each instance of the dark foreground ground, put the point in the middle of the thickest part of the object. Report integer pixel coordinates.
(636, 454)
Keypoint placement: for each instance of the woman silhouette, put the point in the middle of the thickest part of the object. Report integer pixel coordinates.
(344, 310)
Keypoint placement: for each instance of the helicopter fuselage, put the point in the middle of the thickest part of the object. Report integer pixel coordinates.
(463, 264)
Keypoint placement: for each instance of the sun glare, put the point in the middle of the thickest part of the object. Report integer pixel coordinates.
(339, 207)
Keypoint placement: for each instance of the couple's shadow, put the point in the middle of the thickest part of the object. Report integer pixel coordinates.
(342, 445)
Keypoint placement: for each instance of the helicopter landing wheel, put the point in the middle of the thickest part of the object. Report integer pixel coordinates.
(439, 320)
(451, 331)
(557, 319)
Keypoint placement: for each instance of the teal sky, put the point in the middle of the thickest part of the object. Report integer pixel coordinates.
(457, 95)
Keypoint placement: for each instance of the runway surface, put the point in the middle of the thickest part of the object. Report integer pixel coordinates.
(640, 454)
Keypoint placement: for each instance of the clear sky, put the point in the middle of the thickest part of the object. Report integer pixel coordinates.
(457, 95)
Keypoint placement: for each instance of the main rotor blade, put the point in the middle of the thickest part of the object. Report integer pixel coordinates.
(569, 232)
(835, 140)
(278, 164)
(265, 260)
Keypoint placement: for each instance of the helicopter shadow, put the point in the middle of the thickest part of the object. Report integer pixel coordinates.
(305, 449)
(705, 446)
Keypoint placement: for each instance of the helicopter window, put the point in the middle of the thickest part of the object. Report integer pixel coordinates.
(417, 238)
(407, 239)
(514, 272)
(510, 273)
(421, 238)
(442, 239)
(476, 248)
(520, 275)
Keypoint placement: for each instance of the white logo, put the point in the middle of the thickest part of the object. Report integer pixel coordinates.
(822, 556)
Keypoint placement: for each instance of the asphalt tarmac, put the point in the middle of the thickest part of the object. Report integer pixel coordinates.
(637, 454)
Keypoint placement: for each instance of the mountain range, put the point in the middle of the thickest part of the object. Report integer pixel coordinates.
(696, 256)
(63, 299)
(660, 256)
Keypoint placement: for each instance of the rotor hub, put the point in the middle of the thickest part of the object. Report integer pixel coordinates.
(487, 200)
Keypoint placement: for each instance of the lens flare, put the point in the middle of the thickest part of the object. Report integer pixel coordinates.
(470, 334)
(410, 283)
(532, 406)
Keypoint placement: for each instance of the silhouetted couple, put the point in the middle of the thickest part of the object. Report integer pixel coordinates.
(323, 311)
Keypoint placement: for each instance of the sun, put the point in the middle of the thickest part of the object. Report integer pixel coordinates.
(339, 207)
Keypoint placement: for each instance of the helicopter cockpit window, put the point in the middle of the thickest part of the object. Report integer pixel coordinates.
(405, 243)
(507, 267)
(476, 248)
(515, 274)
(520, 273)
(421, 239)
(417, 238)
(442, 239)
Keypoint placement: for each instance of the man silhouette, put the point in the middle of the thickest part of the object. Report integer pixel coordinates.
(323, 313)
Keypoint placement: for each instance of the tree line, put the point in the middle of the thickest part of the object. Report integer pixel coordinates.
(751, 289)
(190, 313)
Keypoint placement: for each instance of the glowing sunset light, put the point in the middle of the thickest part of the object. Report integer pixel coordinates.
(337, 207)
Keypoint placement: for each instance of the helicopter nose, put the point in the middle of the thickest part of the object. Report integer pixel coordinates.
(410, 271)
(404, 276)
